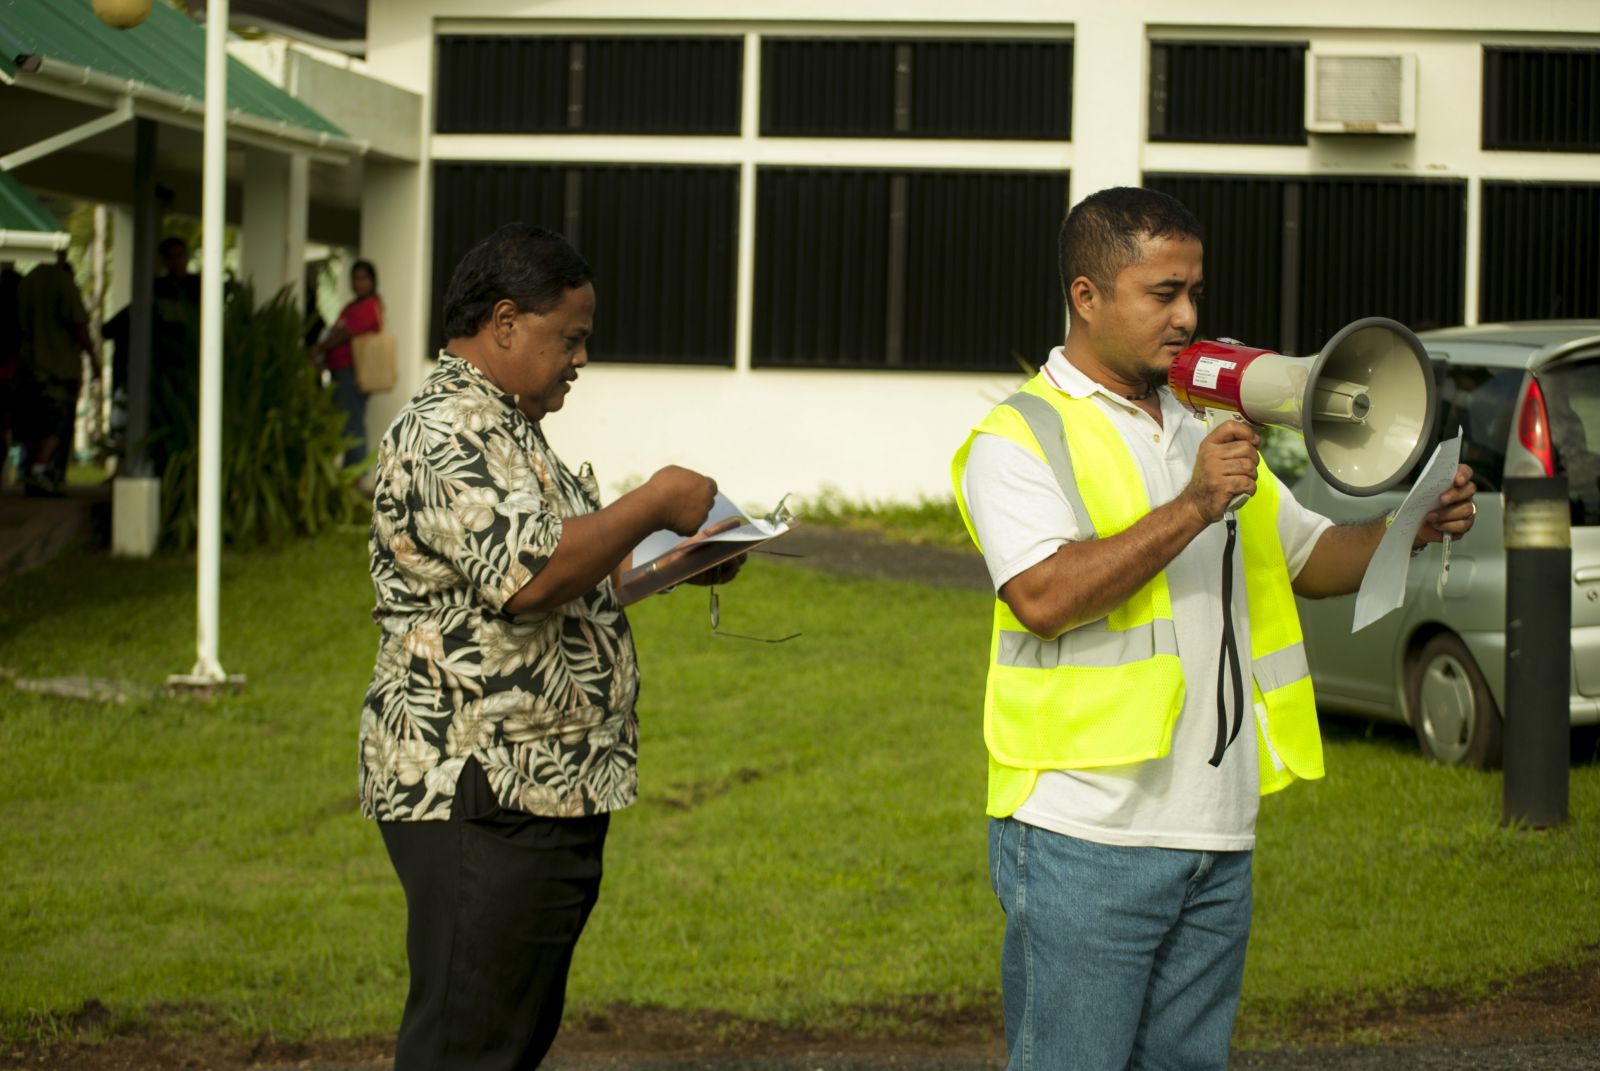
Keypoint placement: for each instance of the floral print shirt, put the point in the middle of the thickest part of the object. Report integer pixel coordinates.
(469, 505)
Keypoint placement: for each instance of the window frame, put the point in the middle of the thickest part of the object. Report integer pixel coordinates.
(749, 150)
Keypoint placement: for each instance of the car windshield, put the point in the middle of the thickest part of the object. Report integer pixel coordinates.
(1572, 398)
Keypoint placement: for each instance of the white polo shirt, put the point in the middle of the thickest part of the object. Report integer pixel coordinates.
(1022, 517)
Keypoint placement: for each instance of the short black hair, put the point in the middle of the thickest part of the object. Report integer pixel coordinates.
(1102, 234)
(529, 265)
(366, 266)
(169, 242)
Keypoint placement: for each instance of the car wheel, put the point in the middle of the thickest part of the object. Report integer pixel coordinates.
(1452, 710)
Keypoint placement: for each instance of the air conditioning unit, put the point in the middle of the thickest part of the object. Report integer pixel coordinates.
(1361, 94)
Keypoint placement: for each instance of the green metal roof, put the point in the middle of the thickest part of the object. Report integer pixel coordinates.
(21, 212)
(166, 51)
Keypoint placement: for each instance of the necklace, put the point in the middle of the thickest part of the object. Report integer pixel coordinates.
(1149, 389)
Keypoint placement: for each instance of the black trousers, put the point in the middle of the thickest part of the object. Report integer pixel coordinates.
(495, 901)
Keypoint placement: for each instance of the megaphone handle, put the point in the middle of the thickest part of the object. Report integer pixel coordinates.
(1214, 419)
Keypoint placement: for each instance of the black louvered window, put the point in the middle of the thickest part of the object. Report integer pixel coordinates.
(1541, 99)
(951, 270)
(1541, 251)
(1241, 92)
(924, 88)
(1290, 260)
(662, 242)
(500, 84)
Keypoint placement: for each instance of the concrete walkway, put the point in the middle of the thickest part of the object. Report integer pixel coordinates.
(34, 530)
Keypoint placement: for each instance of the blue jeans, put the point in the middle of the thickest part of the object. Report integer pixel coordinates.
(1117, 957)
(349, 398)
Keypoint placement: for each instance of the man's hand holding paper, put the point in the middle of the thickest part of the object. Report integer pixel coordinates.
(1456, 511)
(1439, 507)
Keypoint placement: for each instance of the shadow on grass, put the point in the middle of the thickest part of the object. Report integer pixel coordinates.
(134, 602)
(85, 582)
(1391, 736)
(1347, 727)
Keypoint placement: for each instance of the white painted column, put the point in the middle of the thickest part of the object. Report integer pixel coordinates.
(393, 226)
(298, 218)
(750, 130)
(121, 288)
(276, 190)
(1111, 61)
(1474, 252)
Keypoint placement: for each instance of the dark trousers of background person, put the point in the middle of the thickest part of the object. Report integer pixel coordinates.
(349, 398)
(45, 407)
(8, 405)
(495, 901)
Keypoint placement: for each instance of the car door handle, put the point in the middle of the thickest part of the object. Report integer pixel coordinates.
(1589, 574)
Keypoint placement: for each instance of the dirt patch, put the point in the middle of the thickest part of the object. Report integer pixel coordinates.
(1548, 1019)
(152, 1050)
(914, 1033)
(688, 796)
(865, 554)
(1550, 1003)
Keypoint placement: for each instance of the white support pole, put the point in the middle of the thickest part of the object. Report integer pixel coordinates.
(213, 222)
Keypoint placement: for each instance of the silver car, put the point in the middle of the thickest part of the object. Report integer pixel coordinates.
(1527, 397)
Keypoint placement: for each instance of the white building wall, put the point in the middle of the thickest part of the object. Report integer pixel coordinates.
(889, 435)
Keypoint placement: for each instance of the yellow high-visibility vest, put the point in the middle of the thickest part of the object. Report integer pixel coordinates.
(1108, 693)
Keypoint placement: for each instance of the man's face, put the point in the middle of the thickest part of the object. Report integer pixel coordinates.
(1153, 311)
(546, 351)
(175, 259)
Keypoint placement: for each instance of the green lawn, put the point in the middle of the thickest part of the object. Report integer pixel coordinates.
(809, 849)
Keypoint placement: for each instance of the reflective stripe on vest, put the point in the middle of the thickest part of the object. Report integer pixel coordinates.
(1280, 668)
(1093, 644)
(1045, 423)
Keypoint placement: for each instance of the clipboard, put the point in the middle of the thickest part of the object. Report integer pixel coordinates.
(664, 558)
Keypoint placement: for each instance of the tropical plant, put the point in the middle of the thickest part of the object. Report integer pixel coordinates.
(282, 435)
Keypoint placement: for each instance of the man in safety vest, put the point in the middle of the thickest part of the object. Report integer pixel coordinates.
(1138, 626)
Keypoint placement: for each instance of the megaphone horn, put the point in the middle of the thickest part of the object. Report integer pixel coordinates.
(1366, 403)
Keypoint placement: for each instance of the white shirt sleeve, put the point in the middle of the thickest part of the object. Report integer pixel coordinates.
(1017, 507)
(1298, 530)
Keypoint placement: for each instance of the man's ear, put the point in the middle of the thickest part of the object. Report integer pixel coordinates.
(1084, 298)
(503, 319)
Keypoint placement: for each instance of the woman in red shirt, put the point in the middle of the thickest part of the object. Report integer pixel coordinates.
(362, 315)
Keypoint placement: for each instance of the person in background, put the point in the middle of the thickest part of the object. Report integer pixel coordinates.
(54, 336)
(363, 314)
(10, 352)
(176, 294)
(174, 330)
(176, 283)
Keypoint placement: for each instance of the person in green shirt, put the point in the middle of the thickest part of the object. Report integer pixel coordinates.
(53, 327)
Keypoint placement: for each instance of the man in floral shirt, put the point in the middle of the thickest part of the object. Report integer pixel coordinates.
(499, 731)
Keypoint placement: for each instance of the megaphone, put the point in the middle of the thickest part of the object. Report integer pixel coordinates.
(1366, 403)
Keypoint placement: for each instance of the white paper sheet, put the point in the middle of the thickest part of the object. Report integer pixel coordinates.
(749, 530)
(1383, 589)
